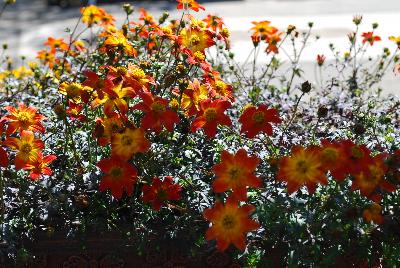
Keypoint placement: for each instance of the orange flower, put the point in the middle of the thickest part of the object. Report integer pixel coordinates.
(91, 15)
(235, 172)
(114, 99)
(39, 166)
(74, 111)
(137, 78)
(193, 96)
(230, 223)
(74, 91)
(263, 29)
(272, 41)
(369, 180)
(303, 167)
(56, 44)
(255, 120)
(334, 159)
(370, 38)
(119, 42)
(129, 142)
(47, 58)
(214, 22)
(107, 127)
(189, 4)
(220, 89)
(358, 158)
(23, 118)
(157, 113)
(160, 192)
(3, 158)
(119, 176)
(211, 114)
(145, 16)
(27, 147)
(373, 213)
(195, 39)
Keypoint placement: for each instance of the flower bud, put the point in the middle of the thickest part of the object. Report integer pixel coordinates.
(305, 87)
(128, 8)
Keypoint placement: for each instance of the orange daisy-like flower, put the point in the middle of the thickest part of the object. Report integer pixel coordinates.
(107, 127)
(214, 22)
(137, 78)
(303, 167)
(373, 213)
(395, 39)
(27, 146)
(334, 159)
(23, 118)
(255, 120)
(129, 142)
(193, 96)
(113, 99)
(161, 191)
(369, 180)
(195, 39)
(230, 223)
(272, 41)
(47, 58)
(263, 29)
(358, 157)
(118, 41)
(189, 4)
(56, 44)
(91, 15)
(370, 38)
(235, 172)
(75, 91)
(39, 166)
(157, 113)
(119, 177)
(211, 114)
(74, 111)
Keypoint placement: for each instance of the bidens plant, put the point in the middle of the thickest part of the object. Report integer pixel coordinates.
(153, 128)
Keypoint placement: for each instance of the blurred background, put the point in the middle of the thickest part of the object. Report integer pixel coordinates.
(26, 25)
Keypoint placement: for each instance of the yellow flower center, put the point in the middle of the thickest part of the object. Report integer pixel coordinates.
(234, 173)
(329, 155)
(194, 39)
(157, 107)
(210, 114)
(137, 73)
(23, 118)
(121, 71)
(126, 140)
(198, 55)
(258, 117)
(26, 148)
(73, 90)
(356, 152)
(302, 166)
(229, 222)
(162, 194)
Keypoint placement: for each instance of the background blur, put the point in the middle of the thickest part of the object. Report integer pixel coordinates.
(27, 24)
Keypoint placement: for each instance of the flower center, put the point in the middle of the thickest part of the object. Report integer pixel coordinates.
(258, 117)
(162, 194)
(234, 173)
(228, 222)
(194, 39)
(116, 172)
(24, 118)
(210, 114)
(157, 107)
(329, 155)
(121, 71)
(138, 73)
(302, 166)
(26, 148)
(126, 140)
(356, 152)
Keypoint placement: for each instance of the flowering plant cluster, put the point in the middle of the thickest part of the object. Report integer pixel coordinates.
(154, 129)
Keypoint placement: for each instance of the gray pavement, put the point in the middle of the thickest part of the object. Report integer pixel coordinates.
(27, 25)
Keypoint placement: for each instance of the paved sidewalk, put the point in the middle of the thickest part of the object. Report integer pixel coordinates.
(27, 25)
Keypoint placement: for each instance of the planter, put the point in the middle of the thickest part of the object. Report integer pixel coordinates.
(111, 250)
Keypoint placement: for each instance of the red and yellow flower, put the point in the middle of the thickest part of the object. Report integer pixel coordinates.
(119, 177)
(27, 146)
(23, 118)
(211, 114)
(235, 172)
(118, 41)
(157, 114)
(263, 29)
(255, 120)
(107, 127)
(39, 166)
(370, 38)
(230, 223)
(302, 167)
(373, 213)
(195, 39)
(189, 4)
(160, 192)
(128, 143)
